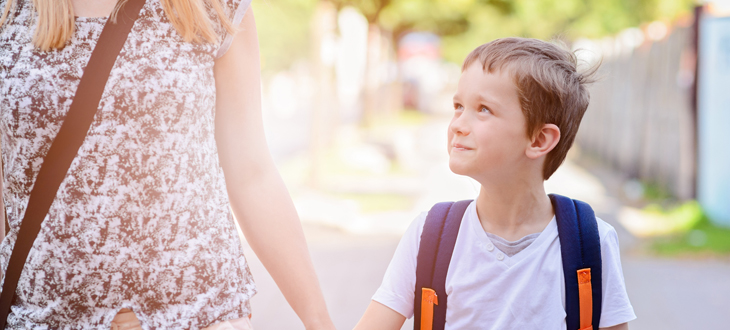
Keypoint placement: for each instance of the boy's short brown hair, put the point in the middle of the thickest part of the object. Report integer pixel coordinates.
(549, 87)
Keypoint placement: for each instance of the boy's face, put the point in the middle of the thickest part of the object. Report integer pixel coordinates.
(487, 137)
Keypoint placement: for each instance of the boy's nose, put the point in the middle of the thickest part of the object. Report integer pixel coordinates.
(458, 125)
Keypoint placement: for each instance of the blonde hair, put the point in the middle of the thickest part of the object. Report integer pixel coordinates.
(189, 17)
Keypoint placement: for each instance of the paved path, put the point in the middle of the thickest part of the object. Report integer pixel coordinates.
(678, 294)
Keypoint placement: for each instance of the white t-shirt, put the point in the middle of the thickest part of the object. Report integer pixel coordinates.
(488, 290)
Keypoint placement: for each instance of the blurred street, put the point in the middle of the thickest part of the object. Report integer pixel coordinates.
(352, 252)
(357, 98)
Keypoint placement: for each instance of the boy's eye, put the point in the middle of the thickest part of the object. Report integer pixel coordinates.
(458, 107)
(484, 109)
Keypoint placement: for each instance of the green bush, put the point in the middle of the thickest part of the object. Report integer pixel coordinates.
(701, 238)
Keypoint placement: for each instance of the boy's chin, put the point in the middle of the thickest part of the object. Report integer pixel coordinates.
(459, 169)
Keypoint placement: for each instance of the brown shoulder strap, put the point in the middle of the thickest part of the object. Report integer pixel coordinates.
(67, 143)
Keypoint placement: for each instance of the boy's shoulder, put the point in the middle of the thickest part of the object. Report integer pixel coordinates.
(606, 231)
(416, 227)
(419, 221)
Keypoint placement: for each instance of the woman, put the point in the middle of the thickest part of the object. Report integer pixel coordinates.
(142, 222)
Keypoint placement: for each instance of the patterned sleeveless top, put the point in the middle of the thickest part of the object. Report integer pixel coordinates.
(142, 219)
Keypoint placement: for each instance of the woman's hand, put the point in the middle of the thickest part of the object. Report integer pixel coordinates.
(258, 196)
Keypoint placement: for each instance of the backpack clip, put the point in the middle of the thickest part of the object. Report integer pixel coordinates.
(428, 299)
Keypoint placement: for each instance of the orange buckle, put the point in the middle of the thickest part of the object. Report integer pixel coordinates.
(428, 299)
(585, 296)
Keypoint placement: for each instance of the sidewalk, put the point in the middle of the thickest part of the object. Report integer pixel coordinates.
(351, 249)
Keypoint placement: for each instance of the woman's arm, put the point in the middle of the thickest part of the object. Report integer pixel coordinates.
(258, 196)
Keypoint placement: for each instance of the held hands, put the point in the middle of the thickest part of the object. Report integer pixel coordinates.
(321, 325)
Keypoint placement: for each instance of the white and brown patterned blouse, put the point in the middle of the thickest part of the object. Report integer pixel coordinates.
(142, 219)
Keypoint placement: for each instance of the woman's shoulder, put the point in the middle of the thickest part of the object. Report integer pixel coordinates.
(235, 5)
(236, 9)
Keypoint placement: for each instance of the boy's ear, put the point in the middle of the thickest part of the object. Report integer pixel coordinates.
(543, 141)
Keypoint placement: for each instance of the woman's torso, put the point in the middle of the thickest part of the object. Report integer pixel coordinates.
(142, 219)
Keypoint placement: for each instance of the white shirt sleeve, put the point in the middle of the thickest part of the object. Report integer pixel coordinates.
(615, 306)
(397, 290)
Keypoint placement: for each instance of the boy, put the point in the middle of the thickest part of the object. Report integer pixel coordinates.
(517, 109)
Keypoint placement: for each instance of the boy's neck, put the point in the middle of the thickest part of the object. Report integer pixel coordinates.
(514, 211)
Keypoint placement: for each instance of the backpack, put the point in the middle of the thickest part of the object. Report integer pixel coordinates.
(580, 248)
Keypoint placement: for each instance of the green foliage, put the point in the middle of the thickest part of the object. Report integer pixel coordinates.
(284, 25)
(284, 31)
(679, 218)
(702, 238)
(369, 8)
(563, 19)
(656, 192)
(465, 24)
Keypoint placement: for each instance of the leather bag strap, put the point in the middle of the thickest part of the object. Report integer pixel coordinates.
(67, 143)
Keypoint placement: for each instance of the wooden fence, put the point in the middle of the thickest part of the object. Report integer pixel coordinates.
(641, 118)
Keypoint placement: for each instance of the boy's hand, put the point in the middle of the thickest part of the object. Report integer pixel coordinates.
(380, 317)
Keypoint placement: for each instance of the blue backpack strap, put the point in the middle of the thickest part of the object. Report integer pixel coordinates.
(434, 256)
(430, 239)
(443, 260)
(580, 247)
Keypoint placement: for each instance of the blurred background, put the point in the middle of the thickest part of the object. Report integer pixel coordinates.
(357, 99)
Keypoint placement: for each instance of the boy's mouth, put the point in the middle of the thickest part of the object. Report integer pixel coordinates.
(460, 147)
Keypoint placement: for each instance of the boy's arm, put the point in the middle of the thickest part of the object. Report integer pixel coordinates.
(380, 317)
(393, 301)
